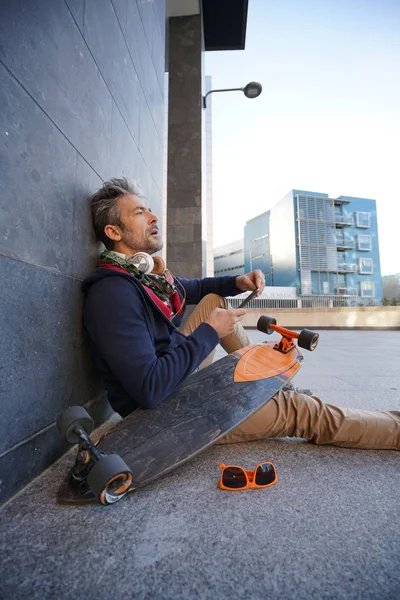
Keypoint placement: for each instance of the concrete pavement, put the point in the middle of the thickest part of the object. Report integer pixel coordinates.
(328, 530)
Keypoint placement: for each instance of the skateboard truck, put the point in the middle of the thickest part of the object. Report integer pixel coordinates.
(305, 339)
(105, 476)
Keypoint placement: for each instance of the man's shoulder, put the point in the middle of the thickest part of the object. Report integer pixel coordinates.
(106, 281)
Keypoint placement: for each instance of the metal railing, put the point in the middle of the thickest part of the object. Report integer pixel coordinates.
(347, 268)
(345, 291)
(343, 220)
(263, 303)
(345, 243)
(311, 301)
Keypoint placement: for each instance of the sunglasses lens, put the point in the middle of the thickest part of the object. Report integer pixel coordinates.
(265, 474)
(234, 477)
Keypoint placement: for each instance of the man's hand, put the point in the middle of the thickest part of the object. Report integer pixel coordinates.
(251, 281)
(224, 321)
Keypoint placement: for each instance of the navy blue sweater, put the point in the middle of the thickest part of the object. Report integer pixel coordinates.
(139, 351)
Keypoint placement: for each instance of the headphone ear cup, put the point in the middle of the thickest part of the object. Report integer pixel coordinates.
(159, 266)
(143, 262)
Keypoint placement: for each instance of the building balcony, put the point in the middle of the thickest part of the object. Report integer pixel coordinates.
(345, 244)
(346, 268)
(345, 291)
(341, 221)
(340, 201)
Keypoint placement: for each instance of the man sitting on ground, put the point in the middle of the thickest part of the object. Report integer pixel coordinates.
(133, 324)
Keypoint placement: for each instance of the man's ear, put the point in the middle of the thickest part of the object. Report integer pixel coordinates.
(113, 232)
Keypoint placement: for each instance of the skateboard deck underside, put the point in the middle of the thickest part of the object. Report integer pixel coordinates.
(204, 409)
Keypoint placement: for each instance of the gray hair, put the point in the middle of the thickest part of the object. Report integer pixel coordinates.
(105, 209)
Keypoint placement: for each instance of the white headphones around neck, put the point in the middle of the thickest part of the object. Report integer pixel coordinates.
(146, 263)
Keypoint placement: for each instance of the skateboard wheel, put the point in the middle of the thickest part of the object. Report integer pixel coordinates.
(110, 479)
(71, 418)
(308, 339)
(263, 324)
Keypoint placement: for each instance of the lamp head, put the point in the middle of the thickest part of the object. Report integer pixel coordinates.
(252, 89)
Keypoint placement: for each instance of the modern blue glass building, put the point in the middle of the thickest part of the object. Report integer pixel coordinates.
(257, 252)
(321, 245)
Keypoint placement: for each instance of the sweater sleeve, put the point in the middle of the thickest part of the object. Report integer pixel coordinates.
(117, 321)
(196, 289)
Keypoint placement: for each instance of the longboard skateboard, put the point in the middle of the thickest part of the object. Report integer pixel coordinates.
(150, 442)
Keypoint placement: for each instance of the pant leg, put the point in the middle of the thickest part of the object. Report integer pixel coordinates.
(236, 340)
(290, 414)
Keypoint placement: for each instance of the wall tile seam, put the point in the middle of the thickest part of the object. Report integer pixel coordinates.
(111, 129)
(160, 190)
(28, 439)
(161, 148)
(111, 94)
(104, 80)
(160, 140)
(156, 22)
(74, 19)
(67, 138)
(133, 64)
(88, 405)
(147, 39)
(74, 208)
(14, 495)
(21, 85)
(41, 267)
(148, 44)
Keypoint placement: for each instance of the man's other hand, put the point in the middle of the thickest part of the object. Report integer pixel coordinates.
(251, 281)
(224, 321)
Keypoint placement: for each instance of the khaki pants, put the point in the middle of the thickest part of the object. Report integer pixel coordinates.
(297, 415)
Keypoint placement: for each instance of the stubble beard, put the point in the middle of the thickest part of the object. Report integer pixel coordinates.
(150, 247)
(156, 247)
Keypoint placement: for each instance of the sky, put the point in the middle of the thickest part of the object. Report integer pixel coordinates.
(328, 118)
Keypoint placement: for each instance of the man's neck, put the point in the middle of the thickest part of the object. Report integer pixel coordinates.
(124, 250)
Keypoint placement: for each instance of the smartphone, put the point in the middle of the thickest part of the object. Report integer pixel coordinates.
(249, 297)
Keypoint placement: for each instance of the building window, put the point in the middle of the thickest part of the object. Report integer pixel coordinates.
(362, 219)
(366, 266)
(227, 254)
(228, 269)
(367, 289)
(364, 242)
(260, 237)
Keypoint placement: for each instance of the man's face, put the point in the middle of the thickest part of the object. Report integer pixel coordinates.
(140, 230)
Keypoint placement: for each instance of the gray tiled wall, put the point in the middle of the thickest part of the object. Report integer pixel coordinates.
(81, 96)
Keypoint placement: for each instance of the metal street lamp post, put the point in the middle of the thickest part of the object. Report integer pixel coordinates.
(251, 90)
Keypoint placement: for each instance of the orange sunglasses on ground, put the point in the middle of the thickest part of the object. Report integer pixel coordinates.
(235, 478)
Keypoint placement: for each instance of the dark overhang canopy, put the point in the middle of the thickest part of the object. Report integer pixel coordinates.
(224, 23)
